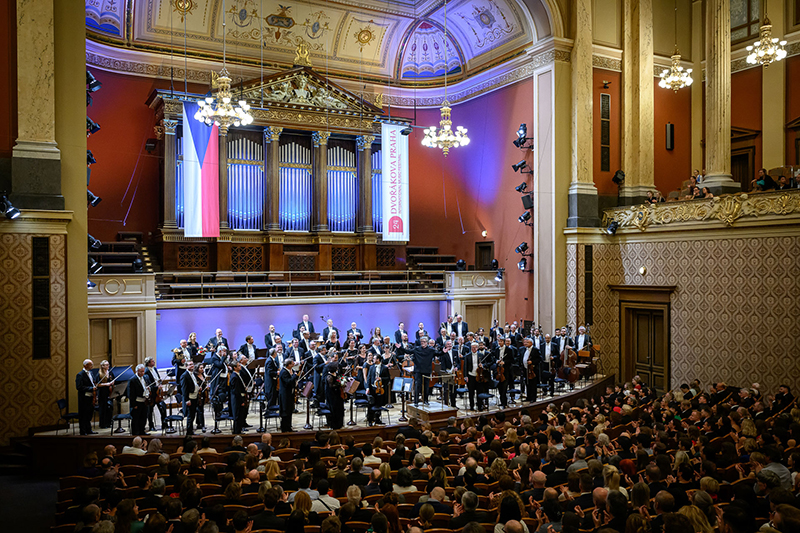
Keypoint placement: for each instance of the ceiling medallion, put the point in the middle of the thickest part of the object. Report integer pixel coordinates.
(183, 7)
(364, 36)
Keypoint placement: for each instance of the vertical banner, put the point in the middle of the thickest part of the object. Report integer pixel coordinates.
(200, 175)
(394, 178)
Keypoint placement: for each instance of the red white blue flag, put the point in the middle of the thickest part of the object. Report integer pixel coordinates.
(200, 175)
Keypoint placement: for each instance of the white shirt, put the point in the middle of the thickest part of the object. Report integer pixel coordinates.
(144, 387)
(306, 326)
(296, 354)
(580, 341)
(153, 372)
(547, 348)
(525, 357)
(251, 350)
(460, 329)
(474, 363)
(186, 357)
(193, 395)
(91, 393)
(224, 372)
(561, 342)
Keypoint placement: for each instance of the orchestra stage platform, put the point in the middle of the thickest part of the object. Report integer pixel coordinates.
(61, 453)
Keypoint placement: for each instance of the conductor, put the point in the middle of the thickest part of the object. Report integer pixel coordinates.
(422, 357)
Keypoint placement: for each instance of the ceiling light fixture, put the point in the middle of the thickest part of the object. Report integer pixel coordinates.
(767, 49)
(675, 77)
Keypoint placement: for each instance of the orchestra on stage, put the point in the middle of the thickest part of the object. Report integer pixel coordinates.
(329, 369)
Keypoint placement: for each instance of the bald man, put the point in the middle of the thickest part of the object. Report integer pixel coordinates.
(538, 480)
(84, 383)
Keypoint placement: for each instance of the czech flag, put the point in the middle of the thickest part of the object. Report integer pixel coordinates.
(200, 175)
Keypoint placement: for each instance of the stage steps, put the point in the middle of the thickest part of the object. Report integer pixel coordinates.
(429, 258)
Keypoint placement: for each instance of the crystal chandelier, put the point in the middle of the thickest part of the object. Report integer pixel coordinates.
(675, 77)
(445, 137)
(223, 113)
(768, 48)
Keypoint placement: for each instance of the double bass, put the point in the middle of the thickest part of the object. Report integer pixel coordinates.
(460, 382)
(568, 360)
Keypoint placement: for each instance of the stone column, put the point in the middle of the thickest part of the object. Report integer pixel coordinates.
(36, 159)
(320, 218)
(364, 145)
(697, 85)
(582, 191)
(170, 160)
(272, 178)
(223, 180)
(637, 99)
(718, 98)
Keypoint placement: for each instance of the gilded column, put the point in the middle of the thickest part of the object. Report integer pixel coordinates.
(272, 194)
(320, 220)
(364, 145)
(638, 148)
(36, 158)
(223, 180)
(170, 160)
(582, 191)
(718, 98)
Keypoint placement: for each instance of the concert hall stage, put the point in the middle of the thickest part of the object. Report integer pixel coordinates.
(62, 454)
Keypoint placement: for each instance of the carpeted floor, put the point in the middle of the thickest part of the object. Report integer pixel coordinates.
(27, 503)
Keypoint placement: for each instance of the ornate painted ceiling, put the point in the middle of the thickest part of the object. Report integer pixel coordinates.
(398, 41)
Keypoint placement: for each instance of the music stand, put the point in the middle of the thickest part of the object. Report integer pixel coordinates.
(400, 386)
(119, 389)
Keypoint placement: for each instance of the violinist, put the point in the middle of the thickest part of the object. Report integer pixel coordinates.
(190, 391)
(318, 360)
(219, 369)
(378, 382)
(359, 364)
(194, 348)
(105, 378)
(505, 355)
(239, 398)
(334, 392)
(549, 352)
(450, 362)
(202, 397)
(271, 369)
(531, 361)
(288, 380)
(181, 355)
(476, 370)
(249, 380)
(375, 349)
(138, 393)
(84, 382)
(153, 379)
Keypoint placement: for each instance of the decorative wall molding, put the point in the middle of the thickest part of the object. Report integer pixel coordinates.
(725, 209)
(606, 63)
(37, 221)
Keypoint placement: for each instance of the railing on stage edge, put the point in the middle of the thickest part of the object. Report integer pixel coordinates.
(184, 285)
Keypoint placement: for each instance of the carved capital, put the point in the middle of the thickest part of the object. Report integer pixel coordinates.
(170, 126)
(159, 131)
(320, 137)
(272, 133)
(364, 141)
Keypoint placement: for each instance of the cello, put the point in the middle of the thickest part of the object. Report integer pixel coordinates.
(568, 361)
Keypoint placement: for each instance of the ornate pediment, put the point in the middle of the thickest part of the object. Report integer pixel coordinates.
(303, 88)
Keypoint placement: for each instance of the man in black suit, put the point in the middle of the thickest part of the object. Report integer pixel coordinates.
(467, 512)
(326, 333)
(295, 352)
(180, 356)
(585, 500)
(318, 360)
(216, 341)
(270, 338)
(549, 354)
(530, 360)
(137, 396)
(356, 332)
(421, 332)
(472, 361)
(153, 379)
(506, 354)
(460, 327)
(481, 337)
(238, 399)
(437, 496)
(189, 391)
(267, 519)
(288, 381)
(248, 349)
(582, 340)
(515, 334)
(305, 324)
(559, 474)
(84, 383)
(449, 365)
(423, 367)
(376, 349)
(398, 335)
(563, 341)
(219, 372)
(443, 337)
(377, 370)
(496, 331)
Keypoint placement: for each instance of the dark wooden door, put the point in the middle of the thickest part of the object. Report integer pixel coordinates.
(650, 358)
(743, 166)
(484, 253)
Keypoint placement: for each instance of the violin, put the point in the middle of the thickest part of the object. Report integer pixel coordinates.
(480, 373)
(379, 386)
(501, 371)
(531, 371)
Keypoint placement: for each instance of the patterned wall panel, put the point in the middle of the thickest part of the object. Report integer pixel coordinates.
(193, 256)
(385, 257)
(247, 258)
(29, 392)
(300, 263)
(733, 313)
(572, 284)
(343, 258)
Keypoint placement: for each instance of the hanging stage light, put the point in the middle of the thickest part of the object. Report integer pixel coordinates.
(612, 228)
(495, 264)
(94, 266)
(406, 131)
(461, 265)
(522, 137)
(92, 85)
(94, 244)
(91, 126)
(7, 209)
(91, 199)
(522, 187)
(525, 217)
(520, 165)
(499, 275)
(523, 264)
(522, 248)
(619, 177)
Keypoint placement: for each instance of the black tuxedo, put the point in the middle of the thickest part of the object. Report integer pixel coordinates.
(423, 367)
(85, 387)
(462, 330)
(243, 350)
(213, 342)
(238, 387)
(398, 335)
(587, 341)
(271, 380)
(219, 370)
(449, 364)
(136, 398)
(290, 354)
(568, 341)
(356, 334)
(333, 397)
(309, 327)
(319, 384)
(473, 386)
(377, 400)
(269, 342)
(288, 382)
(189, 392)
(326, 333)
(419, 334)
(508, 354)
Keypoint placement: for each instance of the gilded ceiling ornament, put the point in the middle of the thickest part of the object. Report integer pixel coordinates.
(183, 7)
(301, 58)
(315, 24)
(364, 36)
(243, 12)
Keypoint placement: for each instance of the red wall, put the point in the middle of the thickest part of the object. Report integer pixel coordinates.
(453, 199)
(672, 167)
(125, 176)
(603, 179)
(792, 104)
(746, 105)
(8, 78)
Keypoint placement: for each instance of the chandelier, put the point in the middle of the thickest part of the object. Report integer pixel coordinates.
(675, 77)
(223, 112)
(768, 48)
(445, 137)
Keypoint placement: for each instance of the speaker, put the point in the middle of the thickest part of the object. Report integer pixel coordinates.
(527, 201)
(670, 136)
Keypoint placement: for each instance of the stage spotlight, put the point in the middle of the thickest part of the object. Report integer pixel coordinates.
(495, 264)
(90, 160)
(406, 131)
(88, 98)
(499, 275)
(91, 199)
(94, 244)
(90, 284)
(522, 136)
(7, 209)
(525, 217)
(138, 265)
(91, 82)
(91, 126)
(94, 266)
(612, 228)
(461, 265)
(523, 130)
(619, 177)
(522, 248)
(521, 165)
(523, 264)
(522, 187)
